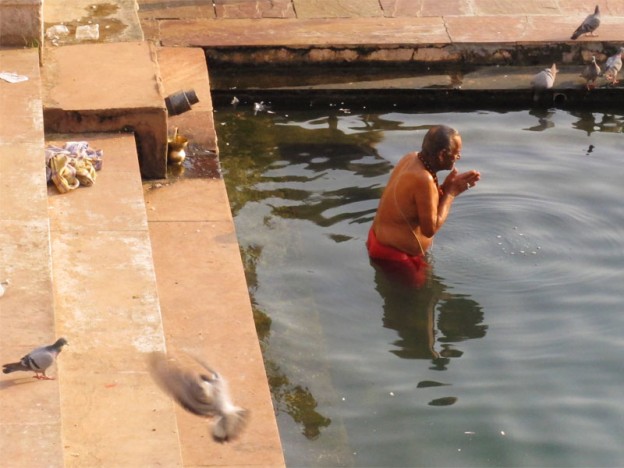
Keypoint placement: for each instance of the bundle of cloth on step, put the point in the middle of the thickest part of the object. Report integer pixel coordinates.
(72, 165)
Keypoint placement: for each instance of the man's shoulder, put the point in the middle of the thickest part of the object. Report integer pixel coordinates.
(412, 171)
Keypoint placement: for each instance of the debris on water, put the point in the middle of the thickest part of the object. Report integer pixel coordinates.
(259, 107)
(235, 101)
(262, 107)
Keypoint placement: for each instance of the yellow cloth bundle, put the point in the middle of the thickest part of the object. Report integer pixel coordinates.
(72, 165)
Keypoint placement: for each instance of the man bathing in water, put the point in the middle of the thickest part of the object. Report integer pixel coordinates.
(413, 206)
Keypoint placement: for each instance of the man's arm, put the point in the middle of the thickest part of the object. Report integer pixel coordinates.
(432, 209)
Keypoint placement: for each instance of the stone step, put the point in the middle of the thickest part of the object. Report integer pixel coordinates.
(483, 39)
(30, 423)
(202, 288)
(108, 87)
(107, 306)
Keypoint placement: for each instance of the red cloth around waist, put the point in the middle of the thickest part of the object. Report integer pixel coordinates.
(412, 268)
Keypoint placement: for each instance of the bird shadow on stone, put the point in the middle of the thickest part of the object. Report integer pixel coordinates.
(4, 384)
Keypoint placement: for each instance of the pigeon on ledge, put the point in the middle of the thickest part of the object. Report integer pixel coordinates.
(545, 79)
(202, 393)
(37, 361)
(591, 73)
(589, 25)
(613, 65)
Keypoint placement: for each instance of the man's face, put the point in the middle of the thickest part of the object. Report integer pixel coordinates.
(448, 157)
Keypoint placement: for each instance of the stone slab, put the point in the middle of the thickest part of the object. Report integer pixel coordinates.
(421, 31)
(30, 425)
(393, 8)
(521, 29)
(254, 9)
(125, 211)
(30, 422)
(207, 311)
(22, 171)
(515, 7)
(107, 88)
(106, 303)
(117, 20)
(158, 9)
(304, 33)
(307, 9)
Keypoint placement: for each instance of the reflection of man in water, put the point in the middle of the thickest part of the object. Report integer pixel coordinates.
(414, 206)
(412, 313)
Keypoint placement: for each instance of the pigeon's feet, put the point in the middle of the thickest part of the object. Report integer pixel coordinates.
(42, 377)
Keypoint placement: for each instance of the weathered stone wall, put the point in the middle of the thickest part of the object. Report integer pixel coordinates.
(21, 23)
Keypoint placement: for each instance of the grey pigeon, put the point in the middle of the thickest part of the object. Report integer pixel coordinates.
(591, 73)
(613, 65)
(37, 361)
(589, 25)
(203, 394)
(545, 79)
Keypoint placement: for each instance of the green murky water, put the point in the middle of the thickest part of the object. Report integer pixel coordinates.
(509, 356)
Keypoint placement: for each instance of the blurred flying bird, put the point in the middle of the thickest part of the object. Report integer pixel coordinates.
(37, 361)
(589, 25)
(202, 393)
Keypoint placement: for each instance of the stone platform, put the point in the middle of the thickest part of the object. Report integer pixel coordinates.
(30, 413)
(109, 87)
(106, 305)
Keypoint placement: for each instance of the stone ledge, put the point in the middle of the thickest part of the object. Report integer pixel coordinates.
(106, 304)
(30, 428)
(106, 88)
